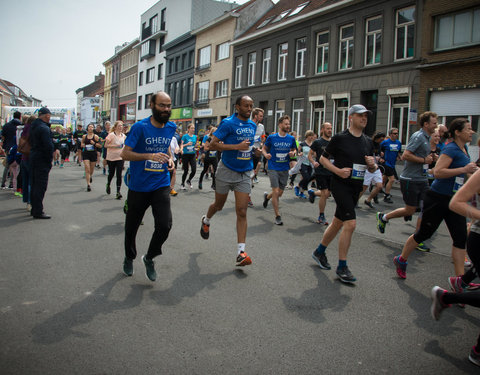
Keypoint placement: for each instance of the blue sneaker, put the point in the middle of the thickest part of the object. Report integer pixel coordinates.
(380, 223)
(296, 189)
(303, 196)
(311, 196)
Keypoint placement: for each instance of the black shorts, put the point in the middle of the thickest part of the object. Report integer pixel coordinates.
(413, 192)
(256, 160)
(89, 155)
(346, 197)
(388, 171)
(323, 181)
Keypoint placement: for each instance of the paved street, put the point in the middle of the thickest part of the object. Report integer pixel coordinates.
(66, 308)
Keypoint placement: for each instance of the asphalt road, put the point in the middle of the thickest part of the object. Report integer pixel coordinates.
(66, 308)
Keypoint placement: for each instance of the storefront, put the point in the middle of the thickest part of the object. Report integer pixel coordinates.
(182, 117)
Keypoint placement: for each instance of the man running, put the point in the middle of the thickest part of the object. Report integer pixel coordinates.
(77, 138)
(391, 149)
(147, 147)
(413, 179)
(278, 149)
(257, 117)
(234, 137)
(322, 175)
(352, 153)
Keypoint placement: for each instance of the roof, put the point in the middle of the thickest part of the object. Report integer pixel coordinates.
(287, 12)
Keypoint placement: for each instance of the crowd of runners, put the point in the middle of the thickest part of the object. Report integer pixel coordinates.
(439, 181)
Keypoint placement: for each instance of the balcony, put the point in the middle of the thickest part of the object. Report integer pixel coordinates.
(147, 49)
(146, 32)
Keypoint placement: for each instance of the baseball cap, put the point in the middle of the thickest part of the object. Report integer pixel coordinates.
(44, 111)
(357, 108)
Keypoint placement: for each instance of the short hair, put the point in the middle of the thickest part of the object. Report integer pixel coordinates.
(309, 133)
(240, 98)
(283, 118)
(378, 135)
(456, 124)
(392, 130)
(425, 117)
(17, 115)
(256, 111)
(153, 98)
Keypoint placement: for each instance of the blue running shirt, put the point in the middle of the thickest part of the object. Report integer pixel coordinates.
(189, 149)
(279, 147)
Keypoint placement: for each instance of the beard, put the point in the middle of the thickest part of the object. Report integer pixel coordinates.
(161, 116)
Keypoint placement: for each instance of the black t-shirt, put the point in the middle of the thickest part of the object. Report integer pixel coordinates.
(210, 154)
(349, 151)
(318, 146)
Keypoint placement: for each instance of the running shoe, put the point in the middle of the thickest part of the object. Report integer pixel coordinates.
(422, 247)
(455, 283)
(322, 220)
(204, 230)
(128, 266)
(467, 262)
(380, 223)
(182, 187)
(321, 260)
(125, 207)
(265, 200)
(473, 286)
(173, 193)
(474, 357)
(388, 198)
(119, 196)
(149, 268)
(250, 203)
(345, 275)
(243, 259)
(200, 186)
(107, 189)
(297, 191)
(437, 304)
(401, 267)
(189, 183)
(278, 220)
(91, 179)
(255, 180)
(89, 188)
(311, 196)
(302, 196)
(369, 204)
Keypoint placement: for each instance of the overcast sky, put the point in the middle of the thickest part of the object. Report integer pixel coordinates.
(51, 48)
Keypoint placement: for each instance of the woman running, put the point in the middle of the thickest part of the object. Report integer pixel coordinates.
(114, 145)
(452, 167)
(90, 143)
(188, 150)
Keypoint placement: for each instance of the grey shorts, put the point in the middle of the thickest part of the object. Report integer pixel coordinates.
(278, 179)
(413, 192)
(228, 180)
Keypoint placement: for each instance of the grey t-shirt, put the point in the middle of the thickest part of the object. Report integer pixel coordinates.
(419, 145)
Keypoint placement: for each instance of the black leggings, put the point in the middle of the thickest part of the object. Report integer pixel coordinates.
(473, 250)
(115, 167)
(207, 163)
(435, 210)
(306, 171)
(186, 160)
(138, 202)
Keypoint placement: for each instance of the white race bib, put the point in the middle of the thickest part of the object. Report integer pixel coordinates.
(154, 166)
(458, 184)
(358, 171)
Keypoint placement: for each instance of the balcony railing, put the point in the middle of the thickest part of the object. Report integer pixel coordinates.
(202, 67)
(146, 32)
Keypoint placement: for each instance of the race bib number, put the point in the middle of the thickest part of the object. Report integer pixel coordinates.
(458, 184)
(154, 166)
(425, 169)
(89, 148)
(281, 157)
(213, 153)
(245, 155)
(393, 147)
(358, 171)
(190, 149)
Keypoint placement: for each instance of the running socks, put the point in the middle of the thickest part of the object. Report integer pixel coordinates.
(206, 220)
(241, 247)
(342, 263)
(320, 249)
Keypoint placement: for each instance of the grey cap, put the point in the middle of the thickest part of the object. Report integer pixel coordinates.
(357, 108)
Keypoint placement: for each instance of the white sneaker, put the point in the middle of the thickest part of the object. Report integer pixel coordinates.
(182, 187)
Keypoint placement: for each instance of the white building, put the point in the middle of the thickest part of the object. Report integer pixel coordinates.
(164, 22)
(90, 110)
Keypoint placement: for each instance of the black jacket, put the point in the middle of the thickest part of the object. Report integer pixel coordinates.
(41, 143)
(9, 131)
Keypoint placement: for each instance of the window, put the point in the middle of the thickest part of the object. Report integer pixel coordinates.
(163, 20)
(346, 47)
(140, 79)
(282, 61)
(404, 33)
(340, 122)
(252, 62)
(279, 111)
(184, 61)
(221, 88)
(171, 66)
(223, 51)
(373, 41)
(189, 91)
(154, 23)
(318, 118)
(301, 61)
(267, 20)
(147, 100)
(322, 52)
(457, 30)
(281, 16)
(202, 91)
(191, 57)
(238, 71)
(204, 57)
(178, 94)
(183, 96)
(267, 57)
(161, 43)
(177, 64)
(139, 103)
(399, 108)
(150, 75)
(160, 71)
(299, 9)
(297, 116)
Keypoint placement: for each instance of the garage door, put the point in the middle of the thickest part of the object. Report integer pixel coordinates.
(456, 102)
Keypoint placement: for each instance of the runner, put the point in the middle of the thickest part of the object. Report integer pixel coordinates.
(64, 146)
(257, 118)
(376, 176)
(210, 161)
(322, 175)
(98, 132)
(352, 153)
(90, 144)
(452, 167)
(56, 145)
(278, 149)
(77, 136)
(305, 166)
(147, 147)
(413, 180)
(435, 152)
(188, 148)
(234, 138)
(114, 144)
(391, 149)
(103, 136)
